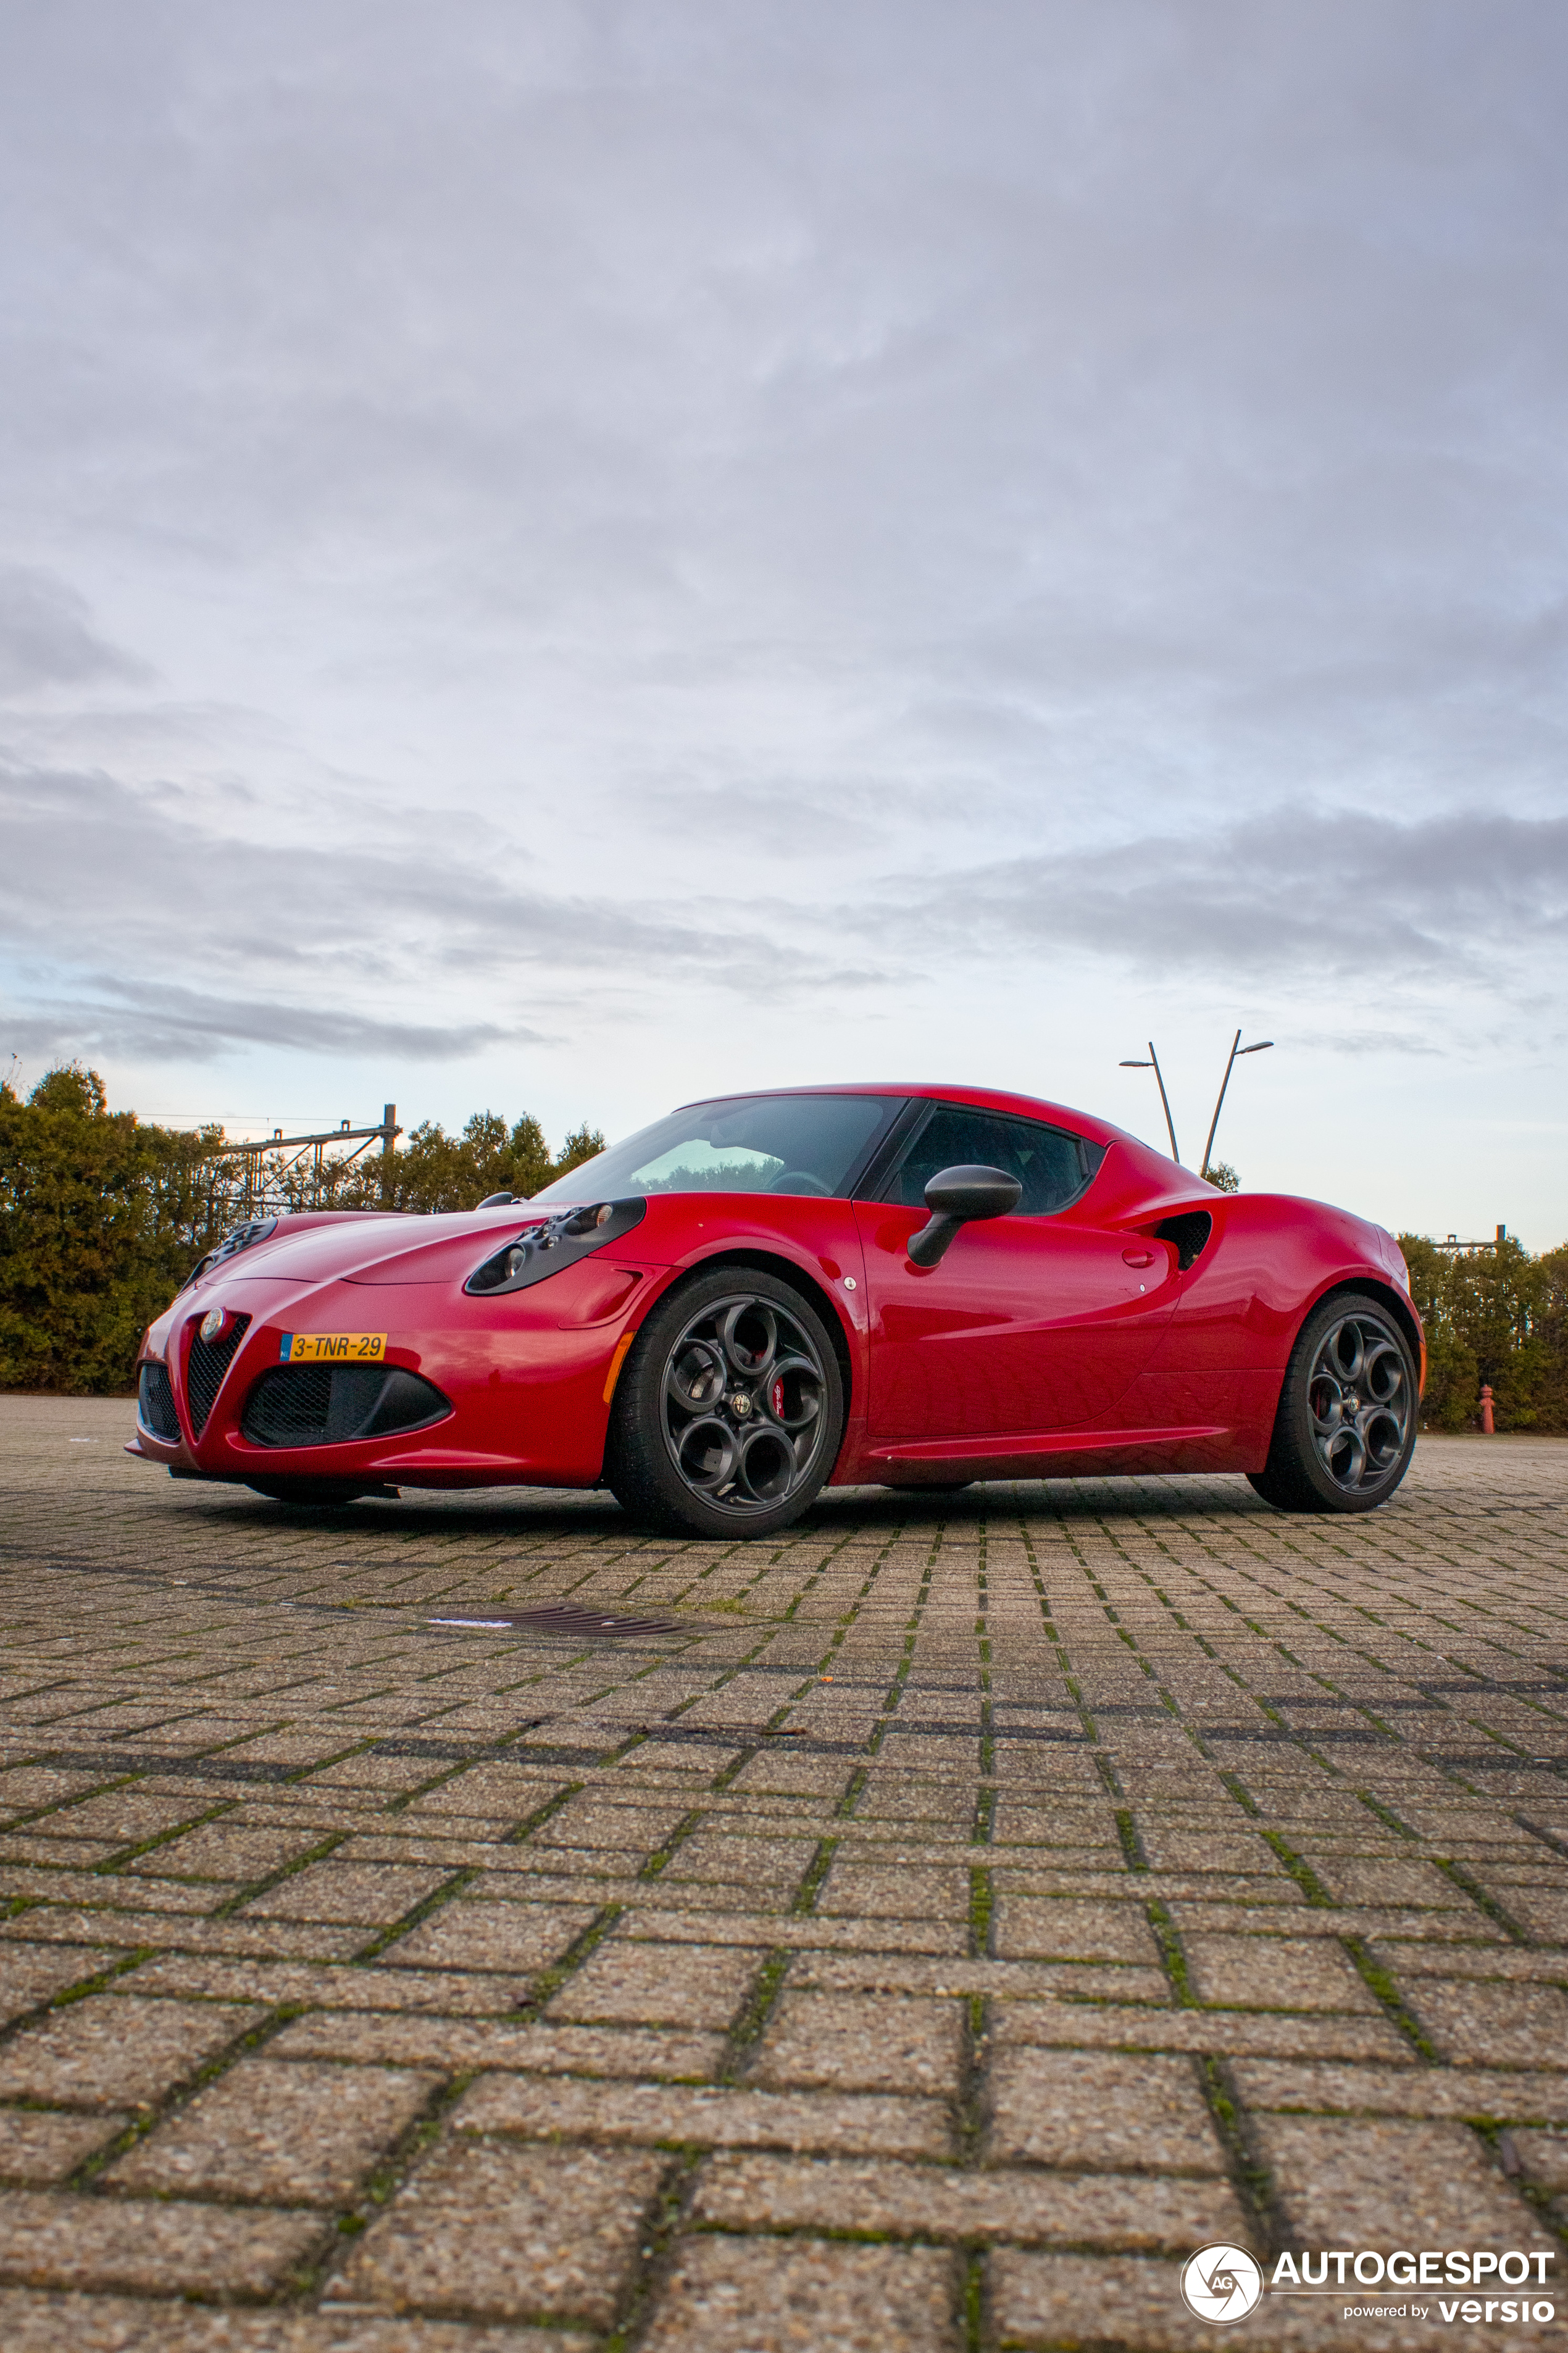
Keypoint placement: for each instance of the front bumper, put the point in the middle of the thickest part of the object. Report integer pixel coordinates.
(470, 1391)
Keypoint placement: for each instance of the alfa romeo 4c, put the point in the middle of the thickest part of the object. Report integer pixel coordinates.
(918, 1286)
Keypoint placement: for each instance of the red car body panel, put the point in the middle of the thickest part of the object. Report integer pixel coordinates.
(1037, 1347)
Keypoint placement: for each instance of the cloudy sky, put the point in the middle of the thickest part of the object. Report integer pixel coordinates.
(572, 557)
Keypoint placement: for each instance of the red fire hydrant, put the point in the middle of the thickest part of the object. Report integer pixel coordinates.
(1488, 1428)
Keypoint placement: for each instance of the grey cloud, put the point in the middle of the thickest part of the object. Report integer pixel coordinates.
(871, 336)
(183, 1025)
(1307, 894)
(140, 872)
(775, 817)
(823, 489)
(47, 638)
(1368, 1042)
(94, 867)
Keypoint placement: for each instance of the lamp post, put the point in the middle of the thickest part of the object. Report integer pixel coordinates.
(1154, 1064)
(1237, 1050)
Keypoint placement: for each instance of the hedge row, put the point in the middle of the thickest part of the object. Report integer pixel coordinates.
(1493, 1315)
(102, 1216)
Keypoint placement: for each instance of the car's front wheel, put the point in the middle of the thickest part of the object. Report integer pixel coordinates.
(1345, 1429)
(728, 1416)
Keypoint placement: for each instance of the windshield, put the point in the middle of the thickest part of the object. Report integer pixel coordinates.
(746, 1143)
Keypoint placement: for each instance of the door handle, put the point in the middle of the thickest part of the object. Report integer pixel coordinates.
(1139, 1257)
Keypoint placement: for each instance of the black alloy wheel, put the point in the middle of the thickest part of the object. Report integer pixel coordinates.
(1345, 1429)
(728, 1416)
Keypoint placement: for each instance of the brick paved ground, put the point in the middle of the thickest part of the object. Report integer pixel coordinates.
(979, 1904)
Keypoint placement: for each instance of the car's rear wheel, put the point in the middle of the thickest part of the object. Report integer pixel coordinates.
(1345, 1429)
(728, 1416)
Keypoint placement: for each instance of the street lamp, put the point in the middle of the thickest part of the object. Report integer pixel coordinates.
(1154, 1064)
(1237, 1050)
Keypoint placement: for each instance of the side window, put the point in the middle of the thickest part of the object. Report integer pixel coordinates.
(1050, 1165)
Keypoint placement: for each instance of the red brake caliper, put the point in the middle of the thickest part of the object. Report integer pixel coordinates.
(778, 1396)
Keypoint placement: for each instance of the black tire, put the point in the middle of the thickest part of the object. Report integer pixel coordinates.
(1345, 1429)
(728, 1414)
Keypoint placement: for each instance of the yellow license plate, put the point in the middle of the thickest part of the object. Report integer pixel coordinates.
(331, 1348)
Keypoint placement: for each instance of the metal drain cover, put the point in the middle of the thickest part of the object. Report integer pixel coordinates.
(566, 1617)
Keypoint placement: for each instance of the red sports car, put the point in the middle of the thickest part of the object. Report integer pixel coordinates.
(917, 1286)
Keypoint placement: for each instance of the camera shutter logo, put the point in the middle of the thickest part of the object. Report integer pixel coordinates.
(1221, 2283)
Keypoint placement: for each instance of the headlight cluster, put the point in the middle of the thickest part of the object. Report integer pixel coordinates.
(544, 1249)
(239, 1237)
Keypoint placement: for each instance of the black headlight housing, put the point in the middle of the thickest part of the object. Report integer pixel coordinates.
(239, 1237)
(554, 1243)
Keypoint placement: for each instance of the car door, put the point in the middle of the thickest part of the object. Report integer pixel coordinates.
(1038, 1321)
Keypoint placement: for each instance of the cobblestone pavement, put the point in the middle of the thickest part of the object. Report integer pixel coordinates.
(970, 1907)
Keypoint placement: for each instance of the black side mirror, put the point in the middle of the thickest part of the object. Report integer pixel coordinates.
(954, 1197)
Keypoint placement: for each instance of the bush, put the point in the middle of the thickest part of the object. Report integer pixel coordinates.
(437, 1171)
(102, 1216)
(100, 1219)
(1492, 1314)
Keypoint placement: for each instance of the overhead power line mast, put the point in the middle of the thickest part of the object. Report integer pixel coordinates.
(275, 1167)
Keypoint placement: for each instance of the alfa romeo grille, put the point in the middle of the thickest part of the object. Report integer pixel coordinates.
(155, 1402)
(205, 1368)
(328, 1405)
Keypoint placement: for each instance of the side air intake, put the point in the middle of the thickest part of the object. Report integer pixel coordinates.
(155, 1403)
(1190, 1232)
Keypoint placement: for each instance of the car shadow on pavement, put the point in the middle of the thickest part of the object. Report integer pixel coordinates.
(592, 1512)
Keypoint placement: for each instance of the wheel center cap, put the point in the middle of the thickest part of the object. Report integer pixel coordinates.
(741, 1404)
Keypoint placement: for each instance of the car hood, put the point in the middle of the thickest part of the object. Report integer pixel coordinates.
(391, 1249)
